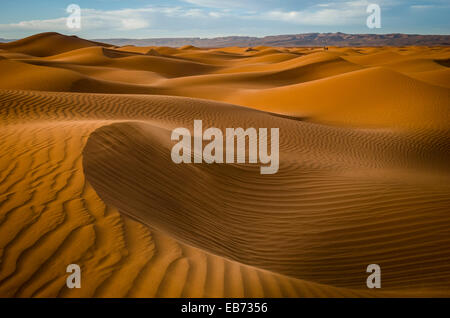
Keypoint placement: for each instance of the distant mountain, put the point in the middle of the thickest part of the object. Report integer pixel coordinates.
(308, 39)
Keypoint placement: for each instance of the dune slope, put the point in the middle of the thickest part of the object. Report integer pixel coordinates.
(46, 44)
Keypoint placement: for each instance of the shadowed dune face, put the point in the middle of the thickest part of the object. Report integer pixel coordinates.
(286, 223)
(86, 175)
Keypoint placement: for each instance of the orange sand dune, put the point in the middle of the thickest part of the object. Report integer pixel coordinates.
(86, 175)
(384, 99)
(46, 44)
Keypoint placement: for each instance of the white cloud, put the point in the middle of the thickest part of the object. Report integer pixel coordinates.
(35, 25)
(322, 17)
(323, 14)
(146, 18)
(216, 3)
(357, 3)
(212, 17)
(422, 6)
(216, 14)
(115, 20)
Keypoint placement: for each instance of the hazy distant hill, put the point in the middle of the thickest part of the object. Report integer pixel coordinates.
(308, 39)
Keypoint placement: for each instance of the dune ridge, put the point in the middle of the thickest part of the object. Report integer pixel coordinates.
(391, 81)
(86, 175)
(49, 43)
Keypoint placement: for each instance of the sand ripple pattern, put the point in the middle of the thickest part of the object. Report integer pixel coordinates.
(289, 236)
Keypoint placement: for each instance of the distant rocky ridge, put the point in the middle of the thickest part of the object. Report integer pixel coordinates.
(308, 39)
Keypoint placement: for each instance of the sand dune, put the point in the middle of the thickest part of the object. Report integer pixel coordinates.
(86, 175)
(46, 44)
(385, 99)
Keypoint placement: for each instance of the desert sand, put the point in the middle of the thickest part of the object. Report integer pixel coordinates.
(86, 175)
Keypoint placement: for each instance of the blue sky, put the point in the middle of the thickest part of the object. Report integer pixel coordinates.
(211, 18)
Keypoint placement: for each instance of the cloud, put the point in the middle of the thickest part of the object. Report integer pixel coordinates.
(126, 19)
(422, 6)
(118, 20)
(35, 25)
(322, 17)
(178, 17)
(323, 14)
(217, 3)
(224, 17)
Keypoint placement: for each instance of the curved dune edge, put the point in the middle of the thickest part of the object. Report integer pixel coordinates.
(51, 217)
(170, 200)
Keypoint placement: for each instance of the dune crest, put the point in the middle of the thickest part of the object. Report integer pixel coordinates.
(50, 43)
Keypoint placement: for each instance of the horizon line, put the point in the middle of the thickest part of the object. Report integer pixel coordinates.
(228, 36)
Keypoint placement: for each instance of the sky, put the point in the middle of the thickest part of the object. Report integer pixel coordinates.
(102, 19)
